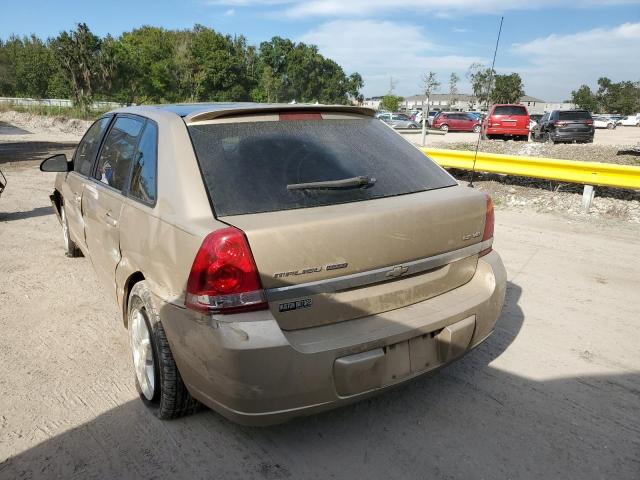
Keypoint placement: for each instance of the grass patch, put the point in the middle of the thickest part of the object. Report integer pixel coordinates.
(53, 111)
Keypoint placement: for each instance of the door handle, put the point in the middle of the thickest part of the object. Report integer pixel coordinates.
(112, 222)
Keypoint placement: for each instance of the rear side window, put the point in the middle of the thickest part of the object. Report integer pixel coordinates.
(89, 145)
(574, 115)
(143, 175)
(117, 152)
(510, 110)
(247, 166)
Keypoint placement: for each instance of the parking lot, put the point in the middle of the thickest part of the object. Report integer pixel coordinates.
(552, 394)
(618, 136)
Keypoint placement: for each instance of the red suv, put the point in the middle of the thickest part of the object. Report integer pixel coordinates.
(507, 121)
(456, 121)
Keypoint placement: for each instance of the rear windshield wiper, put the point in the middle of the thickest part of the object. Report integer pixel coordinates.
(353, 182)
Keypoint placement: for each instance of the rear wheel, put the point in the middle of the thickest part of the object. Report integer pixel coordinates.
(70, 247)
(444, 127)
(611, 126)
(156, 375)
(476, 129)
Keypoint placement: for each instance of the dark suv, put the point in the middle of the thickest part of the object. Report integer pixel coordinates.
(564, 126)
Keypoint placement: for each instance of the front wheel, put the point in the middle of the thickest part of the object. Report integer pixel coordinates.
(444, 128)
(157, 378)
(611, 126)
(476, 129)
(70, 247)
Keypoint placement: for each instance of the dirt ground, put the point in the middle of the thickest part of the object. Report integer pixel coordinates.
(554, 393)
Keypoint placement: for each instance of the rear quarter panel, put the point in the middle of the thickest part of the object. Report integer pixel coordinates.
(161, 241)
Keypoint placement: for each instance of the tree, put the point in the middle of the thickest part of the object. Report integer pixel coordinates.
(507, 89)
(151, 64)
(355, 85)
(481, 79)
(430, 84)
(391, 103)
(584, 98)
(78, 54)
(453, 88)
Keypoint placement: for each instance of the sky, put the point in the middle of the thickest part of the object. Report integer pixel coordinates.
(555, 45)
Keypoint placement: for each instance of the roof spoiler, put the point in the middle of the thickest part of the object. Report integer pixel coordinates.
(280, 108)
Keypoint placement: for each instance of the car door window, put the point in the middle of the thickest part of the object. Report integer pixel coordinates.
(143, 174)
(118, 151)
(89, 145)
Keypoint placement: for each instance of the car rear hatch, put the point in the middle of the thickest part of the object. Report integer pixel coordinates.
(574, 122)
(324, 254)
(510, 118)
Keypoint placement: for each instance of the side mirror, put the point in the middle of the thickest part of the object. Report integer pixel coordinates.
(56, 163)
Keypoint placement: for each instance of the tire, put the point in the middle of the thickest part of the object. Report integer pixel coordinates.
(71, 250)
(444, 127)
(476, 129)
(524, 138)
(611, 126)
(548, 139)
(157, 378)
(412, 126)
(488, 137)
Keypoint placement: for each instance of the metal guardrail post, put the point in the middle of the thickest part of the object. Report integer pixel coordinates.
(587, 197)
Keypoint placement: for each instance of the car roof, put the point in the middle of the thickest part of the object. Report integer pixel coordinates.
(207, 111)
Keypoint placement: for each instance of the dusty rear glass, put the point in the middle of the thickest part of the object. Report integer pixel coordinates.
(510, 110)
(248, 165)
(574, 115)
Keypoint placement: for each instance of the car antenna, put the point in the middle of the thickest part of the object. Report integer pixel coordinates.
(495, 52)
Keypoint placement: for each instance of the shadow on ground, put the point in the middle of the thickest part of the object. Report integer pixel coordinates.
(15, 152)
(36, 212)
(9, 129)
(470, 420)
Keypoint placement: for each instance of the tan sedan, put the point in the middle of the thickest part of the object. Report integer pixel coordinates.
(272, 261)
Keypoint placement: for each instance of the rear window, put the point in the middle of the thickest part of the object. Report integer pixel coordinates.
(510, 110)
(247, 166)
(574, 115)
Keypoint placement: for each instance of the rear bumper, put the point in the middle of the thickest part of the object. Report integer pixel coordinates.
(560, 136)
(508, 132)
(254, 373)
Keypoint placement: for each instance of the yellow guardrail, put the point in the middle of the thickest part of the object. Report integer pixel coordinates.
(587, 173)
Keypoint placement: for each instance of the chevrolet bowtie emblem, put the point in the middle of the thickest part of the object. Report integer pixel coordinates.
(397, 271)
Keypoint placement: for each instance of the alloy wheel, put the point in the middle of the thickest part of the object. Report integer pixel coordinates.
(142, 352)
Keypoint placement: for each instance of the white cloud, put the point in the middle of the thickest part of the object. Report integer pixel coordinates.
(555, 65)
(229, 13)
(379, 50)
(363, 8)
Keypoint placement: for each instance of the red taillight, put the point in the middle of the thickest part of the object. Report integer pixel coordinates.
(589, 122)
(560, 123)
(488, 225)
(224, 278)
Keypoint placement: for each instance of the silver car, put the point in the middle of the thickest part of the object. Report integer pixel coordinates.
(397, 120)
